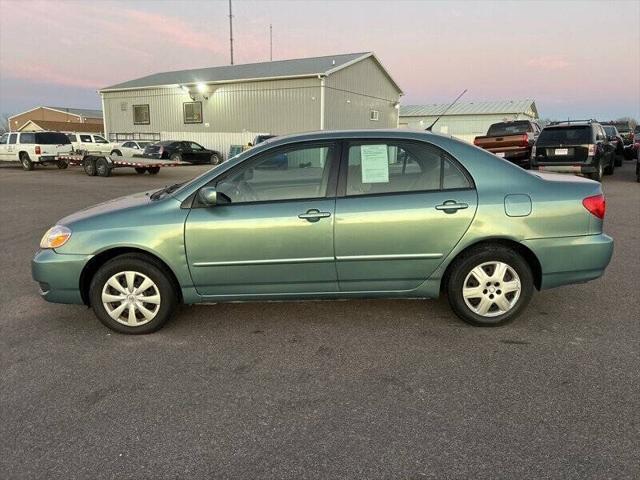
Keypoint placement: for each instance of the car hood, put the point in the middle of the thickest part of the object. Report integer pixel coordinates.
(109, 207)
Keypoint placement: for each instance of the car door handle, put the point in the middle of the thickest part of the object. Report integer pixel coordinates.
(314, 215)
(451, 206)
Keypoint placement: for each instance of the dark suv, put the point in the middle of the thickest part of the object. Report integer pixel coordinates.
(616, 140)
(575, 146)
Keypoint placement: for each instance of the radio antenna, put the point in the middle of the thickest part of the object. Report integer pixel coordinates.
(428, 129)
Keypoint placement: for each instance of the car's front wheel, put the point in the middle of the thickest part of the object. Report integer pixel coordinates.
(490, 286)
(132, 294)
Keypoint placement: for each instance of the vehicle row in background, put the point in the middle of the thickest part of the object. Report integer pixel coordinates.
(578, 146)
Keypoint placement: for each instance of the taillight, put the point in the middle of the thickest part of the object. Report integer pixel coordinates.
(596, 205)
(38, 151)
(525, 140)
(592, 150)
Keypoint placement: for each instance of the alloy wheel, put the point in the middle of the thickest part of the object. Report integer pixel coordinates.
(491, 289)
(131, 298)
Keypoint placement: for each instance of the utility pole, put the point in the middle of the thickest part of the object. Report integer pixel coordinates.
(270, 43)
(231, 31)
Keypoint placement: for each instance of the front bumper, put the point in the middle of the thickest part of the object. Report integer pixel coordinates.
(566, 260)
(59, 275)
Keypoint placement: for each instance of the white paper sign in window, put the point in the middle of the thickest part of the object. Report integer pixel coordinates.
(375, 163)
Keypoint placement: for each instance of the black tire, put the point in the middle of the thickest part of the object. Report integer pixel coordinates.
(153, 170)
(461, 271)
(144, 265)
(103, 169)
(89, 165)
(141, 170)
(62, 164)
(116, 153)
(608, 170)
(215, 159)
(26, 162)
(597, 175)
(176, 157)
(618, 160)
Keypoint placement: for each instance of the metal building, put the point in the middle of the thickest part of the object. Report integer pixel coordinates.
(466, 120)
(226, 105)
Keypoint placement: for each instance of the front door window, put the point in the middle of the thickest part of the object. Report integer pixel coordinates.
(288, 174)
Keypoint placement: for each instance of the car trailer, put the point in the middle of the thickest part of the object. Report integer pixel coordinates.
(102, 166)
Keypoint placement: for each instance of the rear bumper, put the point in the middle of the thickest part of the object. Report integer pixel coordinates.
(566, 260)
(564, 168)
(59, 275)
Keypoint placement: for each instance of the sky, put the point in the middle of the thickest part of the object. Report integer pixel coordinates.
(578, 59)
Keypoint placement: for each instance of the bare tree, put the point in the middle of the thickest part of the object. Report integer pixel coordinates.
(631, 121)
(4, 123)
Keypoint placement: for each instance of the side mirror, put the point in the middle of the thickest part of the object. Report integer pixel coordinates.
(208, 196)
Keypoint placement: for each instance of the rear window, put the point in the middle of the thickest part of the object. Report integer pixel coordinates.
(52, 138)
(508, 128)
(565, 136)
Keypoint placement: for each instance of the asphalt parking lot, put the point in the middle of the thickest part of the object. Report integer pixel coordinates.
(352, 389)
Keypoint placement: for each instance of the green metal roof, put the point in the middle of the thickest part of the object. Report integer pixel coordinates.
(527, 106)
(300, 67)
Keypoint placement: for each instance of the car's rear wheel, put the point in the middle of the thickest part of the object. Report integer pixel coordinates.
(153, 170)
(490, 286)
(215, 159)
(116, 153)
(26, 162)
(132, 294)
(597, 175)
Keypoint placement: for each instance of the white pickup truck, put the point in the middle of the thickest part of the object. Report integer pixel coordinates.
(32, 148)
(90, 143)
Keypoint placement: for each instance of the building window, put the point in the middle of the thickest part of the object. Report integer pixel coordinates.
(141, 115)
(192, 112)
(374, 115)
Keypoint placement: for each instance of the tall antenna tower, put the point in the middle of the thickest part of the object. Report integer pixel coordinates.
(270, 42)
(231, 31)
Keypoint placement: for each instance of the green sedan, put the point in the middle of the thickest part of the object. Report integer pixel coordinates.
(327, 215)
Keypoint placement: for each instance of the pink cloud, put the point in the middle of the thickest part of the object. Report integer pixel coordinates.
(549, 62)
(43, 73)
(174, 29)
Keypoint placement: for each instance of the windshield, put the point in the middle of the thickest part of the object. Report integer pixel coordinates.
(508, 128)
(577, 135)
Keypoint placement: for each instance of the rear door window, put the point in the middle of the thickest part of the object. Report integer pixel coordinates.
(576, 135)
(398, 167)
(28, 138)
(86, 139)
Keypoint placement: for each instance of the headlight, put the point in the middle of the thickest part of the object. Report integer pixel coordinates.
(55, 237)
